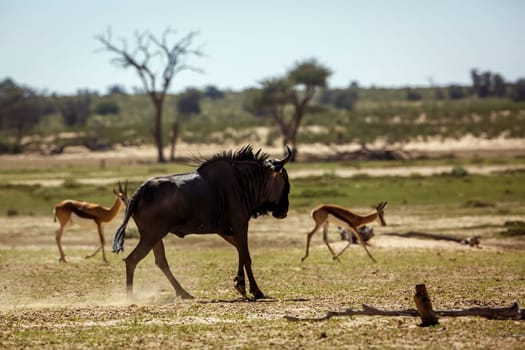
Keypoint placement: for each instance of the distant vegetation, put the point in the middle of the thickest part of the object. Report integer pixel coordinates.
(48, 123)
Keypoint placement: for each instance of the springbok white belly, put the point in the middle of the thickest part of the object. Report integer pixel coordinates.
(336, 221)
(77, 220)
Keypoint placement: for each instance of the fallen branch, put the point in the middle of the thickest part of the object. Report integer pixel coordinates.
(366, 311)
(512, 312)
(424, 310)
(471, 241)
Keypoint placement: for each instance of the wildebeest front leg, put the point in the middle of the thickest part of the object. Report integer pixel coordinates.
(162, 263)
(245, 259)
(240, 285)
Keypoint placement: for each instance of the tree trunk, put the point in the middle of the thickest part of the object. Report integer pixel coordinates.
(157, 132)
(174, 136)
(294, 127)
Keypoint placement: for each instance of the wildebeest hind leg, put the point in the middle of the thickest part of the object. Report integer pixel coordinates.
(141, 250)
(162, 263)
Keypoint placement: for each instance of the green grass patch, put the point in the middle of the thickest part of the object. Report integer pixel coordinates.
(451, 190)
(513, 228)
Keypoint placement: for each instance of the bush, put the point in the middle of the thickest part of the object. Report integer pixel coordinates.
(413, 95)
(478, 204)
(70, 183)
(518, 93)
(12, 212)
(457, 171)
(7, 147)
(456, 92)
(107, 107)
(514, 228)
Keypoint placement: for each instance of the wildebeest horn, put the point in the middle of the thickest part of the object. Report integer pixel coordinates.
(279, 163)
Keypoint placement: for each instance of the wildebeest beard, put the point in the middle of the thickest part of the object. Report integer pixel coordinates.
(279, 210)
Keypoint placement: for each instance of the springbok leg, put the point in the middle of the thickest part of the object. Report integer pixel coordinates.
(308, 239)
(58, 238)
(325, 240)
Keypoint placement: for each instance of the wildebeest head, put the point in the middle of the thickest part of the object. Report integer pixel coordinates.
(279, 186)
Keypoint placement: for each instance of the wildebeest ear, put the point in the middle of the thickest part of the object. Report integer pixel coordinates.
(278, 164)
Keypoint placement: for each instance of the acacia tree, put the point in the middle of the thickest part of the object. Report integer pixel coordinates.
(156, 62)
(20, 109)
(295, 90)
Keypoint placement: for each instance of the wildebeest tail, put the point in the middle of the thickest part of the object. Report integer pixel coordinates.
(118, 240)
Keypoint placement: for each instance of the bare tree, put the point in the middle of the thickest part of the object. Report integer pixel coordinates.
(156, 62)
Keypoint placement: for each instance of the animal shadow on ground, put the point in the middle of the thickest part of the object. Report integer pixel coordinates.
(244, 300)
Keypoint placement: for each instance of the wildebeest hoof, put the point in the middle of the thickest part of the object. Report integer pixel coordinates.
(240, 286)
(258, 295)
(241, 290)
(185, 295)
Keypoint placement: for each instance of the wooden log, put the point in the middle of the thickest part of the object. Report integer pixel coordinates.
(425, 311)
(424, 307)
(513, 312)
(473, 241)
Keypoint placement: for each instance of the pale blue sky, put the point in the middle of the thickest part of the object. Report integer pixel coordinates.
(49, 44)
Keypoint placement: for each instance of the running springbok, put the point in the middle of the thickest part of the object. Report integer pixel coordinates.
(325, 214)
(71, 211)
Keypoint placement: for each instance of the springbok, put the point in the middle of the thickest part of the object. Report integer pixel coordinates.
(325, 214)
(71, 211)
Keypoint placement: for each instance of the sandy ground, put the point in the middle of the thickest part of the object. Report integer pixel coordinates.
(45, 304)
(466, 147)
(38, 232)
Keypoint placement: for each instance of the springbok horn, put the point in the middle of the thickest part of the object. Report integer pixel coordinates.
(279, 163)
(382, 205)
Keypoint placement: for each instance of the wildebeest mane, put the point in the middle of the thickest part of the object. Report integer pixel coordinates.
(249, 177)
(243, 154)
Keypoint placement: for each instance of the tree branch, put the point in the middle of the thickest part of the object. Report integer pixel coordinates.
(141, 57)
(472, 241)
(426, 312)
(512, 312)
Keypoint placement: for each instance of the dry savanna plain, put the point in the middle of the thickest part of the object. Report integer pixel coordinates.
(82, 304)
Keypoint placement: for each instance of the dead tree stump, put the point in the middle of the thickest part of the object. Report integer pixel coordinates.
(424, 307)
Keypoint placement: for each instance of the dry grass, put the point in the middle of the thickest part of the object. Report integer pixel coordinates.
(82, 304)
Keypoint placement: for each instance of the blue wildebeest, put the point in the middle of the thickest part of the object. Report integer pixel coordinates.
(220, 196)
